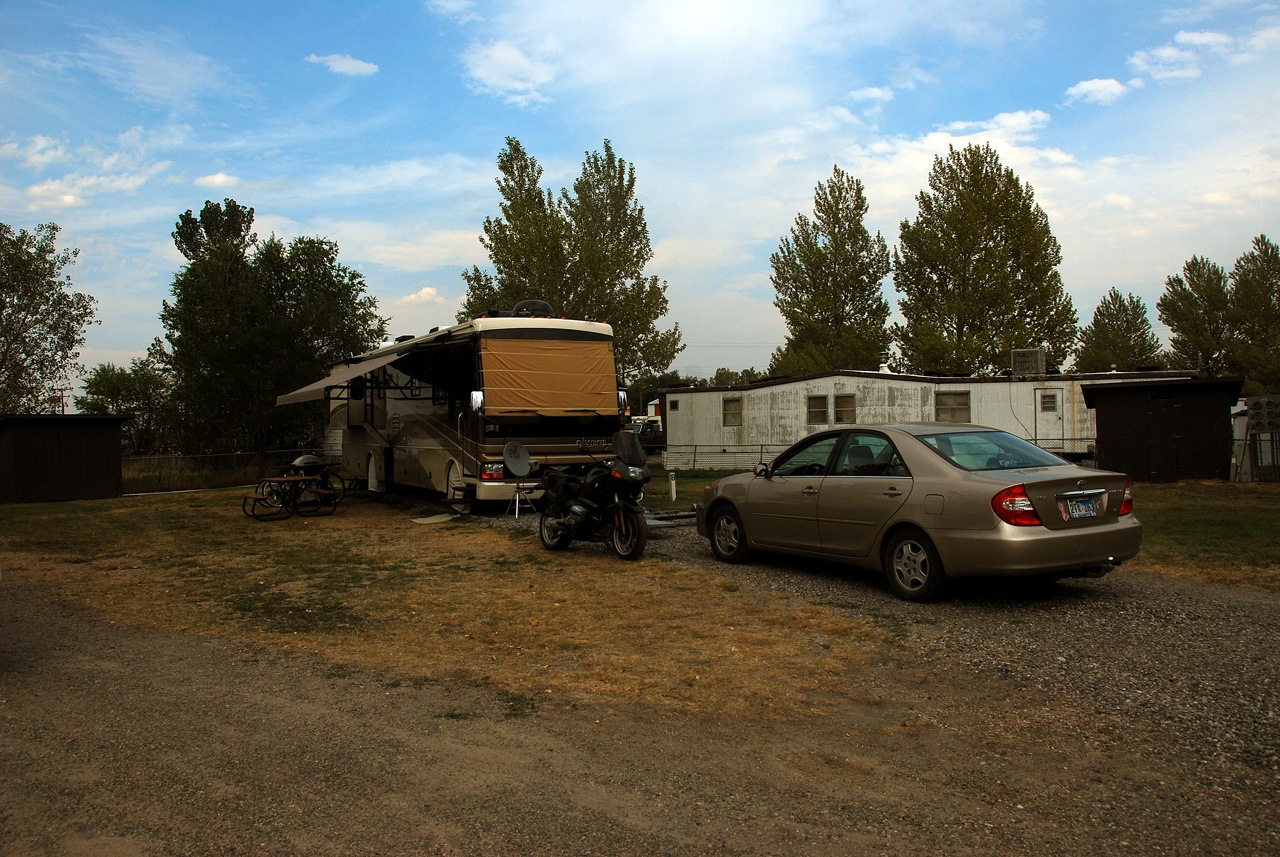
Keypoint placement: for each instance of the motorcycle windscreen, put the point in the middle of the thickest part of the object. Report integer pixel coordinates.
(627, 448)
(548, 377)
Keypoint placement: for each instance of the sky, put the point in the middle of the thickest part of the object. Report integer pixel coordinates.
(1149, 133)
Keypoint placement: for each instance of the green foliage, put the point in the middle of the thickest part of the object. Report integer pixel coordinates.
(1120, 335)
(1228, 324)
(827, 274)
(1254, 316)
(1194, 306)
(978, 272)
(724, 377)
(250, 321)
(42, 320)
(583, 252)
(141, 390)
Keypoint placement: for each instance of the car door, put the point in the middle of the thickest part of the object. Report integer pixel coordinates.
(866, 484)
(782, 506)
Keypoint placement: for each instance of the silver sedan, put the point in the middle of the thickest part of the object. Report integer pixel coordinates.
(924, 503)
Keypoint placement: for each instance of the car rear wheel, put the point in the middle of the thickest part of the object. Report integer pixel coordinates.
(913, 568)
(728, 539)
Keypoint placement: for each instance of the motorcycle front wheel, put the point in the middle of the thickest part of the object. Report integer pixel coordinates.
(553, 530)
(630, 533)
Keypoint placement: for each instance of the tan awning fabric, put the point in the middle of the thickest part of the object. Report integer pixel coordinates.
(337, 377)
(548, 377)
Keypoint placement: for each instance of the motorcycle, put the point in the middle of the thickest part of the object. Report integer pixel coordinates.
(598, 502)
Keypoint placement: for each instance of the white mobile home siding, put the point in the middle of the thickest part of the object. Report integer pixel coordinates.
(776, 413)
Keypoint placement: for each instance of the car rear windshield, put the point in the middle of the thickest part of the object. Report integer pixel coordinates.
(989, 450)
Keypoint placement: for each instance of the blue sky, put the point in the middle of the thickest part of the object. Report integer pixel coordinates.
(1150, 132)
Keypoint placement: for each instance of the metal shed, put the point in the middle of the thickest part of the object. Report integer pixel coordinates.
(1165, 431)
(46, 457)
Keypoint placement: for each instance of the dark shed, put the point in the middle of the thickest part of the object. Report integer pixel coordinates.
(59, 457)
(1164, 431)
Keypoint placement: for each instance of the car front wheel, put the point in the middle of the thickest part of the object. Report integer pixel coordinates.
(728, 539)
(913, 568)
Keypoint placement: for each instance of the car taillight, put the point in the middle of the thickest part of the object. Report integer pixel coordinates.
(1013, 506)
(1126, 505)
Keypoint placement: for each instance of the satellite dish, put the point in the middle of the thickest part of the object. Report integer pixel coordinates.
(516, 458)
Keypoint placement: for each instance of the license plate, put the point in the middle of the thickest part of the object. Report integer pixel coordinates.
(1085, 507)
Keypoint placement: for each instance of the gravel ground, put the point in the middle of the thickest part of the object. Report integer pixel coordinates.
(1134, 714)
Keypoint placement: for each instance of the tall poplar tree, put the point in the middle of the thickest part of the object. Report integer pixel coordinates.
(1119, 337)
(1254, 314)
(1195, 306)
(978, 271)
(583, 252)
(827, 274)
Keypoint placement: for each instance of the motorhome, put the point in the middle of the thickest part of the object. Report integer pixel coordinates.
(436, 411)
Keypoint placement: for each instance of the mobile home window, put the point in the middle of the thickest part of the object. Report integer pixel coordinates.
(846, 412)
(732, 412)
(817, 410)
(951, 407)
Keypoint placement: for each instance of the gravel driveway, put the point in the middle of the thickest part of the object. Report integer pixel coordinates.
(1132, 714)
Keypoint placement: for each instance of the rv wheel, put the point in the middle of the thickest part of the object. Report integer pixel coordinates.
(455, 490)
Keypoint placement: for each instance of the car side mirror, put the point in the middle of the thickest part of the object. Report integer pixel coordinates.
(761, 470)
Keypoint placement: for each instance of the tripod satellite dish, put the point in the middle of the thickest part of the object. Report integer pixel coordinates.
(516, 459)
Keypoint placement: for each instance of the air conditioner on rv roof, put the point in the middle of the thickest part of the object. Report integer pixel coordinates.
(1028, 361)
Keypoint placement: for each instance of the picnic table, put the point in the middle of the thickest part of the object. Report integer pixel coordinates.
(281, 496)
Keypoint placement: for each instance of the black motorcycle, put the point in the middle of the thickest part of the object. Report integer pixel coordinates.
(598, 502)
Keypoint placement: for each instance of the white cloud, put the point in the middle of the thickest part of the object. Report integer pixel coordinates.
(345, 64)
(505, 69)
(1016, 125)
(218, 179)
(1121, 200)
(155, 68)
(1218, 42)
(871, 93)
(1166, 63)
(74, 190)
(37, 154)
(425, 295)
(1096, 91)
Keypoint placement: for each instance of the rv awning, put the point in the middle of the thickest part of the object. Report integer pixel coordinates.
(336, 378)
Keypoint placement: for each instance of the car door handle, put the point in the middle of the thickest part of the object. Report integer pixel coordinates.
(809, 489)
(892, 492)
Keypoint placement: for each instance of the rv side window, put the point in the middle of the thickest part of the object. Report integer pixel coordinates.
(356, 391)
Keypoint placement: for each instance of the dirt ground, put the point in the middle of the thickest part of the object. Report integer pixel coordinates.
(119, 740)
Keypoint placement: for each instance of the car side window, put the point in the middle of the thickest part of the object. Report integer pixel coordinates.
(808, 460)
(869, 455)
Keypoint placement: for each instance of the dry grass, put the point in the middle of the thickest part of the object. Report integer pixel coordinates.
(422, 602)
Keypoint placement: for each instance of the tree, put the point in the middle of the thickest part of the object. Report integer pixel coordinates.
(725, 377)
(1254, 315)
(1119, 337)
(42, 320)
(827, 274)
(252, 320)
(978, 271)
(141, 390)
(1195, 307)
(583, 252)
